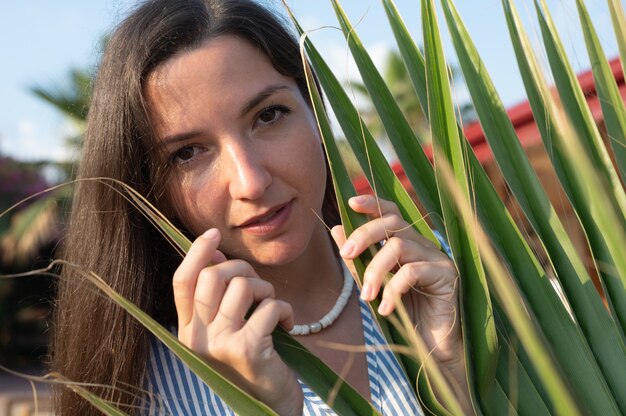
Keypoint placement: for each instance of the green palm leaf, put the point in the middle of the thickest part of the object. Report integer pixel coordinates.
(502, 230)
(415, 164)
(575, 106)
(619, 26)
(448, 155)
(608, 93)
(525, 186)
(606, 243)
(379, 174)
(605, 341)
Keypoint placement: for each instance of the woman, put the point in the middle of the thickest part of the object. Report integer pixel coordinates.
(203, 107)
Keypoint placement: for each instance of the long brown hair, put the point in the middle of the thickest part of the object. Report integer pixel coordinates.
(95, 341)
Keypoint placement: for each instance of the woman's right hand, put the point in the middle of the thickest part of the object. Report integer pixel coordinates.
(212, 303)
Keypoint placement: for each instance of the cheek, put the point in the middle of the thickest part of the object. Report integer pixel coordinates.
(189, 194)
(313, 168)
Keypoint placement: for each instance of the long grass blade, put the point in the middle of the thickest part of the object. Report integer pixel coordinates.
(54, 378)
(311, 370)
(338, 394)
(344, 188)
(96, 401)
(614, 363)
(398, 329)
(400, 332)
(413, 59)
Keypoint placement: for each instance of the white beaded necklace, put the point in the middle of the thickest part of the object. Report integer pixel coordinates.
(333, 314)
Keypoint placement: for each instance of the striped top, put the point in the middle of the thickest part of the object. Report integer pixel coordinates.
(175, 390)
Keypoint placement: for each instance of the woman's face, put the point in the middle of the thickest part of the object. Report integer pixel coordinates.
(245, 148)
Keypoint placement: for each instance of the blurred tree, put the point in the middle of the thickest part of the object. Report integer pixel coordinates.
(72, 100)
(23, 304)
(18, 180)
(28, 234)
(36, 224)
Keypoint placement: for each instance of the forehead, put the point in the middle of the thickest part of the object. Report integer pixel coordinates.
(216, 58)
(223, 73)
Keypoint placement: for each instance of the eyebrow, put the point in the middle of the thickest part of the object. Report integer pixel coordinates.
(249, 105)
(178, 138)
(262, 95)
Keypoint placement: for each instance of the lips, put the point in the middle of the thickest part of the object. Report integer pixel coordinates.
(270, 219)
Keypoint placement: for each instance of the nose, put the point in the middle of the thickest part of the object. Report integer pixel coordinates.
(249, 177)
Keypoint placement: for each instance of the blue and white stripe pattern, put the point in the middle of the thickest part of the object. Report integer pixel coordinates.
(175, 390)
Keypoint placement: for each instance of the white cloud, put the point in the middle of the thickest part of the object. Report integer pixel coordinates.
(31, 140)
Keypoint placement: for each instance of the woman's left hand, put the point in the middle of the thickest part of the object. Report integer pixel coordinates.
(422, 276)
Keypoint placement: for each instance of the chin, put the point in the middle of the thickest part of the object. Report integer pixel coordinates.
(278, 257)
(277, 253)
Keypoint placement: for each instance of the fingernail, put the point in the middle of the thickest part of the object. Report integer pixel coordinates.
(366, 292)
(359, 199)
(384, 308)
(211, 234)
(347, 248)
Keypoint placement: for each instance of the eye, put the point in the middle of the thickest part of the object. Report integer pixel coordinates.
(185, 154)
(271, 115)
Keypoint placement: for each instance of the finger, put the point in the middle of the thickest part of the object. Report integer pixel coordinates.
(373, 232)
(435, 279)
(186, 276)
(373, 206)
(376, 207)
(388, 257)
(239, 297)
(339, 236)
(211, 286)
(268, 314)
(392, 255)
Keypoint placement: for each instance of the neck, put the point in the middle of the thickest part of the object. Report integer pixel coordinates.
(312, 282)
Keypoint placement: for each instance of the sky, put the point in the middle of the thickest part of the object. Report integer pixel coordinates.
(41, 40)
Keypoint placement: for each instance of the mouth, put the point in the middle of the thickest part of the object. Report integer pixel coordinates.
(270, 216)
